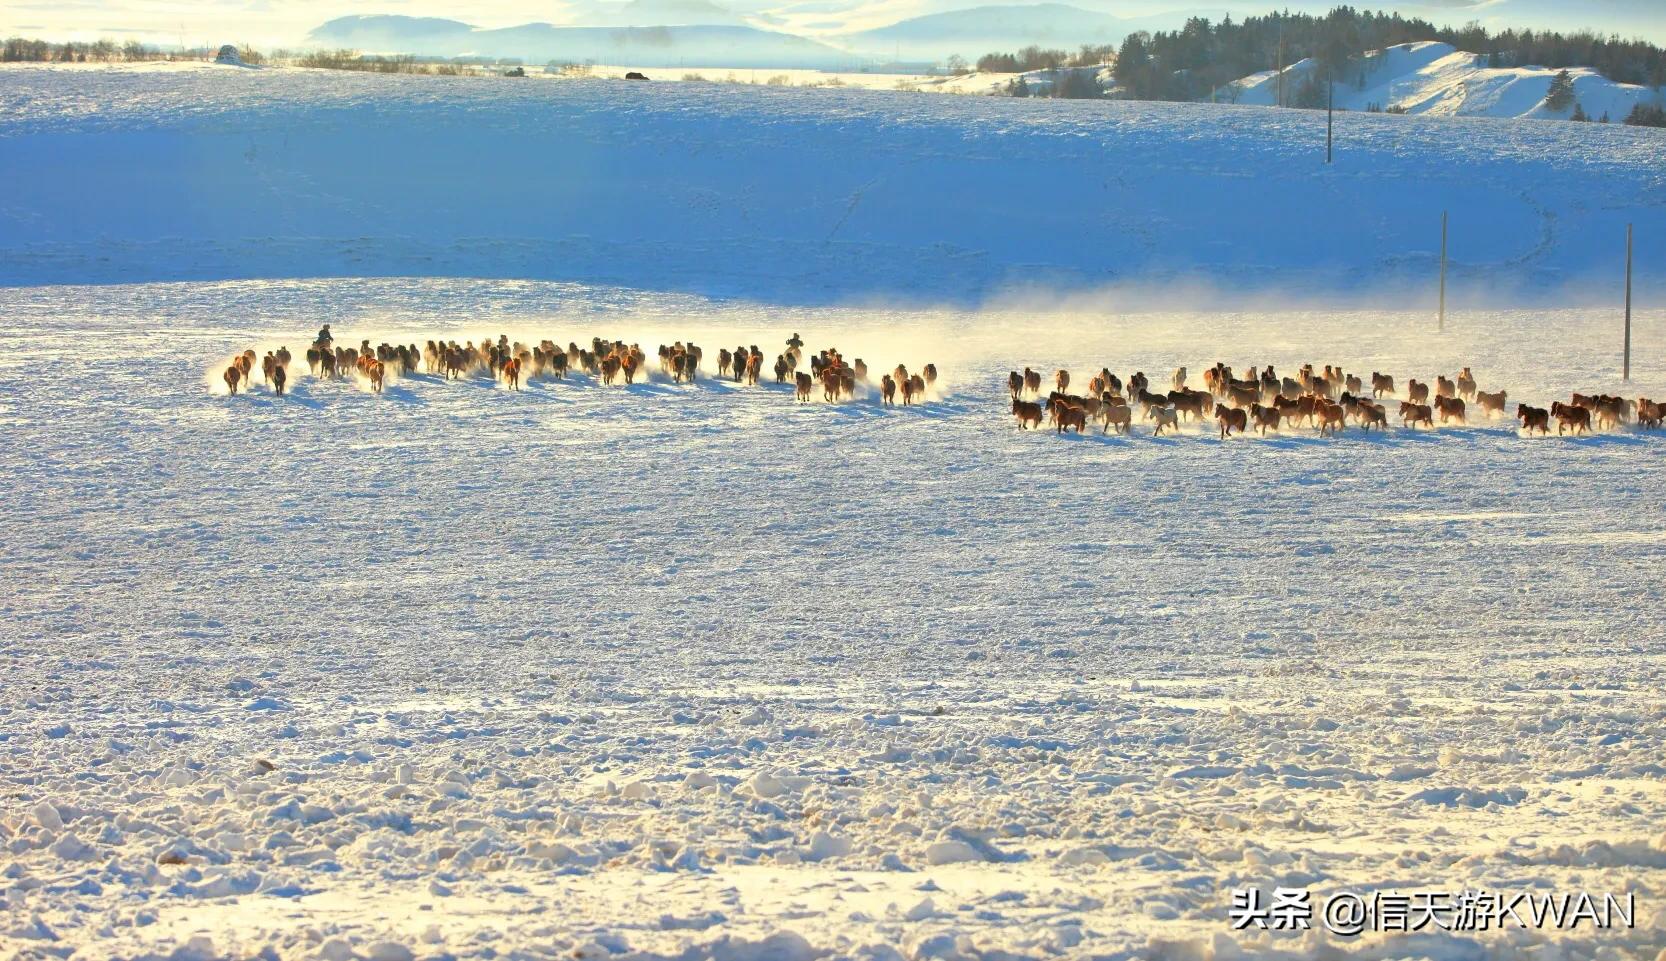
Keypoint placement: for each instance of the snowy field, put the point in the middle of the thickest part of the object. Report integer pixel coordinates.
(687, 671)
(214, 173)
(694, 670)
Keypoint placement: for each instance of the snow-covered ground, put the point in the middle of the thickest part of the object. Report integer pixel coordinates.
(1440, 80)
(222, 172)
(693, 669)
(696, 671)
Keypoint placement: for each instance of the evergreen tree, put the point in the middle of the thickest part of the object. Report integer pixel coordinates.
(1644, 115)
(1133, 62)
(1561, 91)
(1578, 113)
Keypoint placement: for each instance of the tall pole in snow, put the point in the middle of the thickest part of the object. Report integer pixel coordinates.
(1281, 63)
(1626, 370)
(1330, 106)
(1442, 320)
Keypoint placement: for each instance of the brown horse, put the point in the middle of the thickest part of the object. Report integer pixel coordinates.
(1028, 414)
(1411, 413)
(888, 390)
(1069, 416)
(1264, 418)
(1466, 384)
(1533, 418)
(1231, 419)
(1117, 413)
(1332, 418)
(233, 374)
(1578, 419)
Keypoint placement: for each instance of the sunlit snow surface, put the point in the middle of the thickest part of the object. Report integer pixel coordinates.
(672, 669)
(197, 172)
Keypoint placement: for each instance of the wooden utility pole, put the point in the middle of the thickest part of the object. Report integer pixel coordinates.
(1442, 320)
(1281, 63)
(1330, 106)
(1626, 368)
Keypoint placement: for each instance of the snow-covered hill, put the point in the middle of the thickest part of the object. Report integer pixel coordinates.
(153, 173)
(1436, 78)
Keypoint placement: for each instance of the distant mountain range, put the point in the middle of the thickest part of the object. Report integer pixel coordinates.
(669, 33)
(724, 45)
(661, 33)
(980, 30)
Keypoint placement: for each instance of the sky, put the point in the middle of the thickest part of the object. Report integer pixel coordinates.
(273, 23)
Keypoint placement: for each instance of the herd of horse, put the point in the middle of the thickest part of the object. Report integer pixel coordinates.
(1327, 400)
(609, 361)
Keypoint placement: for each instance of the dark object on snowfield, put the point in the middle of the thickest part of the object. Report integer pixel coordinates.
(803, 383)
(232, 375)
(1264, 418)
(1411, 413)
(228, 54)
(1381, 384)
(633, 75)
(1332, 418)
(1451, 408)
(1533, 418)
(1028, 414)
(515, 72)
(278, 377)
(1649, 414)
(1567, 416)
(1491, 403)
(1231, 419)
(1068, 417)
(1417, 393)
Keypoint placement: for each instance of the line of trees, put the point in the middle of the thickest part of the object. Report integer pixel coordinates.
(1189, 63)
(22, 50)
(1040, 58)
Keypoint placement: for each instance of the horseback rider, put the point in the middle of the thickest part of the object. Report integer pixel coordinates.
(795, 340)
(325, 339)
